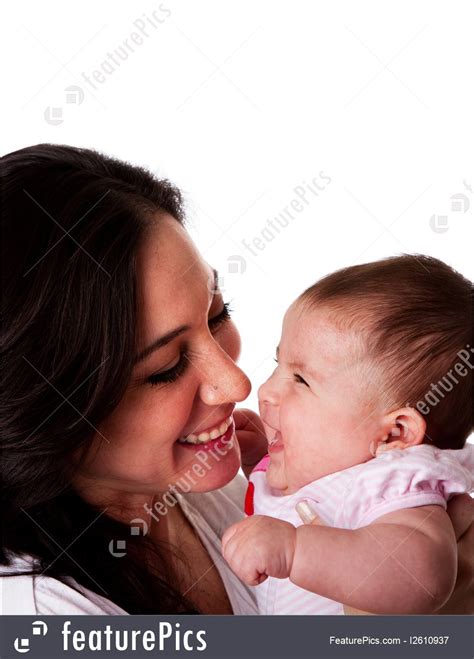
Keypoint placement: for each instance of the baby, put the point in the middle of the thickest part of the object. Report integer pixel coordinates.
(366, 416)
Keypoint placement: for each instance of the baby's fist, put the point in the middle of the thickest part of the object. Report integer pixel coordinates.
(259, 547)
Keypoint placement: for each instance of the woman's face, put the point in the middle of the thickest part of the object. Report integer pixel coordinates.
(189, 384)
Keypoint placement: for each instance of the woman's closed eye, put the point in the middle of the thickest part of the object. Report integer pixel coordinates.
(173, 373)
(222, 316)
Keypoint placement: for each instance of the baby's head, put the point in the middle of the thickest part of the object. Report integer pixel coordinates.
(371, 357)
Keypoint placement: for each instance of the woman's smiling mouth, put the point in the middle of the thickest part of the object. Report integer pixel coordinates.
(222, 432)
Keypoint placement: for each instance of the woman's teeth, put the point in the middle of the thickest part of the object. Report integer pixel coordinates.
(204, 437)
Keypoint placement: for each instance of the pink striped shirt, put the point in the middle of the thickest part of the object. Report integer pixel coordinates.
(401, 478)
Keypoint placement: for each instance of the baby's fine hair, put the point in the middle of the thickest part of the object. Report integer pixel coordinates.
(416, 316)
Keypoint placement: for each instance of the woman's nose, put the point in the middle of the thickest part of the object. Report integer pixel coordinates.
(224, 381)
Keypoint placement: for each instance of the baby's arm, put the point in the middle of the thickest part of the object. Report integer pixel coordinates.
(404, 562)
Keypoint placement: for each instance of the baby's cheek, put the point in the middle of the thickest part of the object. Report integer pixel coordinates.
(295, 423)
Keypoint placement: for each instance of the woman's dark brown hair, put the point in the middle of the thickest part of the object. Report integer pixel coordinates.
(71, 222)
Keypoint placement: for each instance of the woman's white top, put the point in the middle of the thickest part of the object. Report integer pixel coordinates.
(210, 513)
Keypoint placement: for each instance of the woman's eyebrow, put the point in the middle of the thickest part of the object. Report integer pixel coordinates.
(159, 343)
(167, 338)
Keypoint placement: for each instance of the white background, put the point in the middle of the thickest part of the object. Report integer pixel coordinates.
(239, 103)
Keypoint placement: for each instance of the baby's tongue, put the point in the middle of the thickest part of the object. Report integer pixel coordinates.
(276, 439)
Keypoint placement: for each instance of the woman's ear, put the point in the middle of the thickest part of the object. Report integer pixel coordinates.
(402, 428)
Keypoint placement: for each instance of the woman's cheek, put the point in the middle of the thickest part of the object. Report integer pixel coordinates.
(172, 408)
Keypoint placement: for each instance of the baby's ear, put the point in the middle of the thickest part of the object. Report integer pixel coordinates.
(402, 428)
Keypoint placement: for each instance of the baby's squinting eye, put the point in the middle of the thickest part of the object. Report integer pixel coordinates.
(298, 378)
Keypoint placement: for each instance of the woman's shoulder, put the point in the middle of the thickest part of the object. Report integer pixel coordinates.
(38, 594)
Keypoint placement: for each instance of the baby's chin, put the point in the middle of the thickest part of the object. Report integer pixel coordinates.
(279, 479)
(276, 477)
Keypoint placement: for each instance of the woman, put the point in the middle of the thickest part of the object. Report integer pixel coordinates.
(119, 355)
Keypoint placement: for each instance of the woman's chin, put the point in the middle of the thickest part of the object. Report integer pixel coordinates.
(211, 469)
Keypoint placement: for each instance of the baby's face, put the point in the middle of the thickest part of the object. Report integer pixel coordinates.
(319, 404)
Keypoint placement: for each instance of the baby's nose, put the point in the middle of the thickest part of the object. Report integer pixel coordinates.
(267, 392)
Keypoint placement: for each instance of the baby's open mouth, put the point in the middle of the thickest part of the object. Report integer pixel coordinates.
(212, 433)
(276, 442)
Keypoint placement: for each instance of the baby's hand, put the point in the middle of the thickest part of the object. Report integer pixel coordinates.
(259, 547)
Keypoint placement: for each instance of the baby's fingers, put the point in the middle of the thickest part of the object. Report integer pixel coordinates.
(306, 512)
(240, 556)
(229, 533)
(255, 579)
(246, 569)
